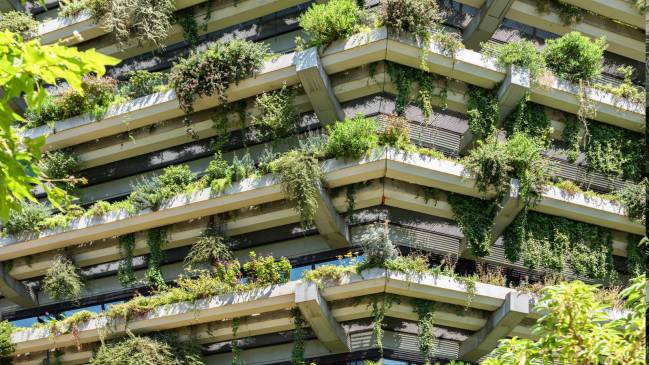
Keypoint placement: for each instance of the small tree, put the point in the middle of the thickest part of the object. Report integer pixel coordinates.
(576, 329)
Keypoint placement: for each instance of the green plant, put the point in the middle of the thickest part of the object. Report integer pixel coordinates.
(264, 271)
(151, 192)
(21, 23)
(482, 112)
(7, 347)
(396, 134)
(633, 197)
(489, 163)
(626, 91)
(188, 22)
(403, 77)
(636, 254)
(352, 138)
(136, 350)
(218, 175)
(327, 273)
(277, 117)
(410, 16)
(299, 175)
(571, 138)
(530, 118)
(141, 83)
(62, 281)
(577, 328)
(568, 13)
(125, 272)
(550, 242)
(380, 303)
(522, 53)
(425, 310)
(62, 167)
(568, 186)
(299, 334)
(325, 23)
(476, 219)
(156, 239)
(234, 343)
(210, 247)
(575, 57)
(213, 70)
(615, 151)
(377, 246)
(28, 218)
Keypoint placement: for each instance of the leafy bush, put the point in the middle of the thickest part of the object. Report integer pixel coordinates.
(396, 134)
(62, 165)
(141, 83)
(489, 163)
(352, 138)
(19, 22)
(7, 347)
(149, 193)
(212, 71)
(636, 255)
(575, 57)
(267, 270)
(29, 218)
(218, 174)
(633, 198)
(482, 112)
(62, 281)
(325, 23)
(476, 219)
(148, 21)
(278, 117)
(522, 53)
(411, 16)
(136, 350)
(378, 248)
(300, 177)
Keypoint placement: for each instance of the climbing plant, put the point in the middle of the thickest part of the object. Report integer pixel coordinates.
(234, 343)
(568, 13)
(615, 151)
(156, 239)
(404, 77)
(62, 280)
(482, 112)
(125, 272)
(299, 175)
(636, 254)
(554, 243)
(379, 304)
(530, 118)
(299, 334)
(633, 197)
(476, 219)
(425, 310)
(571, 138)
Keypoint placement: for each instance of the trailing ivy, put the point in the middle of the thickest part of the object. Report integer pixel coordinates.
(403, 77)
(234, 343)
(530, 118)
(568, 13)
(156, 239)
(615, 151)
(380, 303)
(571, 138)
(213, 70)
(188, 23)
(62, 280)
(425, 310)
(482, 112)
(545, 242)
(299, 334)
(636, 255)
(300, 176)
(125, 272)
(476, 219)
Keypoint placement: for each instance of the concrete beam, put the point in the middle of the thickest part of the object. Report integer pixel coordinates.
(485, 23)
(330, 224)
(317, 86)
(510, 207)
(515, 308)
(14, 290)
(512, 90)
(316, 312)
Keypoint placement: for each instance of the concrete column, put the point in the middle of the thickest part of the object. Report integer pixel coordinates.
(515, 308)
(483, 25)
(14, 290)
(330, 224)
(316, 312)
(512, 90)
(317, 86)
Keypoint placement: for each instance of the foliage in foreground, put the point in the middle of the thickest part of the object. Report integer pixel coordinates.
(575, 329)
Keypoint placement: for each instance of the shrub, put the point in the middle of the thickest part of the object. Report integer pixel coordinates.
(575, 57)
(325, 23)
(264, 271)
(18, 22)
(62, 165)
(489, 163)
(626, 91)
(378, 249)
(136, 350)
(7, 347)
(141, 83)
(145, 194)
(218, 174)
(300, 177)
(278, 117)
(212, 71)
(29, 218)
(149, 193)
(71, 8)
(522, 53)
(396, 134)
(411, 16)
(62, 281)
(352, 138)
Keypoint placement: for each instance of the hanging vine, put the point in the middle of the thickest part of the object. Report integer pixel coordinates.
(571, 138)
(156, 239)
(425, 310)
(403, 77)
(636, 254)
(125, 272)
(380, 303)
(234, 344)
(482, 112)
(530, 118)
(299, 334)
(476, 219)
